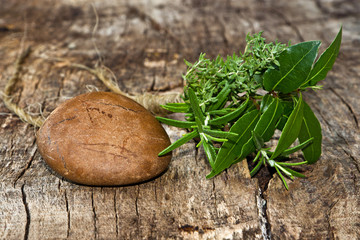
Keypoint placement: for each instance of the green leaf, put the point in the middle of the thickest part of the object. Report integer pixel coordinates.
(210, 153)
(176, 107)
(265, 127)
(220, 134)
(267, 122)
(230, 116)
(289, 151)
(176, 123)
(221, 112)
(326, 61)
(265, 102)
(310, 128)
(282, 178)
(291, 163)
(291, 129)
(231, 150)
(288, 108)
(257, 167)
(258, 140)
(209, 137)
(187, 137)
(221, 97)
(194, 103)
(294, 173)
(188, 63)
(295, 64)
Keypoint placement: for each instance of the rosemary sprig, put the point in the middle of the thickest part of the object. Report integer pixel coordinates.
(225, 94)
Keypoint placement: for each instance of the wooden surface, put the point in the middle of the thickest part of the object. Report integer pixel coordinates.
(144, 44)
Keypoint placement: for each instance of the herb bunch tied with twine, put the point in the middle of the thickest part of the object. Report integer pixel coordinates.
(234, 105)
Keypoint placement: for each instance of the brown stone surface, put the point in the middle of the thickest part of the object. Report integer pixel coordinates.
(103, 139)
(143, 43)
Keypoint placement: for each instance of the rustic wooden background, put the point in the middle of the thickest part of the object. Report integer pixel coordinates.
(144, 44)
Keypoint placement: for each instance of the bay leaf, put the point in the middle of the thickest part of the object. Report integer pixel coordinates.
(291, 129)
(231, 150)
(310, 128)
(326, 61)
(295, 65)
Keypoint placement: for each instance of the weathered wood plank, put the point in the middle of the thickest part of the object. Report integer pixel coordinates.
(143, 43)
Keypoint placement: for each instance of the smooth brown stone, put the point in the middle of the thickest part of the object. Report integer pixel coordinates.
(103, 139)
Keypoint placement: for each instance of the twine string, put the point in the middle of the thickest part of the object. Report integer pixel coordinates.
(6, 95)
(150, 101)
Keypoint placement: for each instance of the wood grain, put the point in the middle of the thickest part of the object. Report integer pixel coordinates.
(144, 44)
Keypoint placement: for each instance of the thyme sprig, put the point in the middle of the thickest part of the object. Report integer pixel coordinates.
(235, 105)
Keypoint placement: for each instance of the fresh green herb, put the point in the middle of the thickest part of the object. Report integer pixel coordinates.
(251, 95)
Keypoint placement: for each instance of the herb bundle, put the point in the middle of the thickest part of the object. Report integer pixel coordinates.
(235, 105)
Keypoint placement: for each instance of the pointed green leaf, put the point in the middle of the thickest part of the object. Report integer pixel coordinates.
(176, 123)
(176, 107)
(221, 134)
(231, 150)
(265, 127)
(291, 129)
(221, 97)
(291, 164)
(282, 178)
(221, 112)
(265, 102)
(283, 169)
(230, 116)
(290, 172)
(194, 103)
(288, 108)
(187, 137)
(310, 128)
(188, 63)
(295, 65)
(210, 153)
(326, 61)
(267, 122)
(294, 173)
(215, 139)
(257, 167)
(258, 140)
(289, 151)
(199, 124)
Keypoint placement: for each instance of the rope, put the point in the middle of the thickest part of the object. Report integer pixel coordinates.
(6, 96)
(149, 101)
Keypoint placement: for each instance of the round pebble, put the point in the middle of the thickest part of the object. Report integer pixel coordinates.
(103, 139)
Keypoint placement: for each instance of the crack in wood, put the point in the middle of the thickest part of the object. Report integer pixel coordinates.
(137, 209)
(348, 106)
(328, 219)
(353, 159)
(215, 198)
(94, 214)
(68, 215)
(28, 164)
(27, 211)
(261, 204)
(136, 202)
(116, 214)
